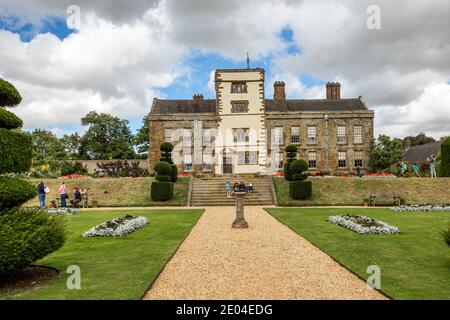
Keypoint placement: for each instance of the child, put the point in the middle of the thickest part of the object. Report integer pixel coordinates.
(250, 188)
(416, 170)
(404, 169)
(228, 188)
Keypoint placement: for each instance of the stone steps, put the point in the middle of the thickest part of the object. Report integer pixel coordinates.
(211, 192)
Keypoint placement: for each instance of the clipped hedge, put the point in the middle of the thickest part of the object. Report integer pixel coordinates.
(298, 166)
(163, 168)
(9, 96)
(161, 190)
(14, 192)
(300, 190)
(9, 120)
(26, 236)
(15, 151)
(174, 173)
(445, 158)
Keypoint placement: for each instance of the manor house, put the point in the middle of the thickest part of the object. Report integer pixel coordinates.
(240, 131)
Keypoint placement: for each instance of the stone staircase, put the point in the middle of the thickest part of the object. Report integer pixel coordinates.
(211, 192)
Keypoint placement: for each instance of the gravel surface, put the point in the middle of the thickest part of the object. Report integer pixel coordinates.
(265, 261)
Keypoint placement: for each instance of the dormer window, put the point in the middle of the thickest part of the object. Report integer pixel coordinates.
(239, 106)
(238, 87)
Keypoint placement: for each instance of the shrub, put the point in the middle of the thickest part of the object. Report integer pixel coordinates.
(445, 158)
(9, 120)
(9, 96)
(174, 173)
(161, 190)
(299, 176)
(15, 151)
(27, 236)
(14, 192)
(67, 168)
(166, 152)
(291, 154)
(287, 172)
(163, 168)
(163, 178)
(298, 166)
(446, 236)
(300, 190)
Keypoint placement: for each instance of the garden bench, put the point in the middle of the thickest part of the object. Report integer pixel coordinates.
(374, 197)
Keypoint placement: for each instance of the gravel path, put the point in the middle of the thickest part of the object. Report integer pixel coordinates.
(265, 261)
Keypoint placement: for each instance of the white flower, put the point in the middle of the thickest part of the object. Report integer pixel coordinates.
(122, 227)
(422, 208)
(356, 223)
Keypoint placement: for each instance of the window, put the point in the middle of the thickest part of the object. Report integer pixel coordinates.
(168, 135)
(187, 161)
(312, 160)
(277, 135)
(247, 157)
(279, 160)
(342, 159)
(295, 134)
(341, 136)
(357, 134)
(239, 106)
(238, 87)
(241, 135)
(312, 138)
(187, 138)
(207, 137)
(358, 158)
(207, 161)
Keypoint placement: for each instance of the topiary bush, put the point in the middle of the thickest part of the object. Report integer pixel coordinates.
(166, 152)
(174, 173)
(163, 168)
(300, 190)
(445, 158)
(299, 166)
(162, 190)
(14, 192)
(25, 235)
(28, 235)
(291, 155)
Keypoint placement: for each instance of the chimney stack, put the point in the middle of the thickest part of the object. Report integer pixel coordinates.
(279, 92)
(198, 97)
(333, 91)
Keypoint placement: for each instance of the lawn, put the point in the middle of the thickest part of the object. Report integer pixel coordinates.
(117, 192)
(414, 264)
(352, 191)
(114, 268)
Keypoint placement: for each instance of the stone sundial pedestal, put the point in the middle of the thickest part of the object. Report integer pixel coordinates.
(239, 222)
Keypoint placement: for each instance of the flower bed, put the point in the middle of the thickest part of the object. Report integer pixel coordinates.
(362, 224)
(68, 211)
(118, 227)
(74, 176)
(379, 175)
(422, 208)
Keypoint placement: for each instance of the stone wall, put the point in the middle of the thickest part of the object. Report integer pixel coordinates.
(91, 165)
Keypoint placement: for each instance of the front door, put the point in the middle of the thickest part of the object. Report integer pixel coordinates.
(227, 167)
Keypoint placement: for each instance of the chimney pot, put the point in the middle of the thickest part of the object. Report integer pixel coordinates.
(333, 91)
(279, 92)
(198, 97)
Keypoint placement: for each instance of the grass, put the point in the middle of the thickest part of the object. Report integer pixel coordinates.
(352, 191)
(415, 264)
(117, 192)
(114, 268)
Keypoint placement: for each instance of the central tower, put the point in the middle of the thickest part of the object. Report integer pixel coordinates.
(241, 142)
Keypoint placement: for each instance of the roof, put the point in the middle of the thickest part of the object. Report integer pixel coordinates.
(315, 105)
(422, 152)
(184, 106)
(209, 105)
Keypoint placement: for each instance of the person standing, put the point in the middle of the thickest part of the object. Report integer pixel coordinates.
(63, 193)
(41, 193)
(432, 162)
(358, 171)
(228, 188)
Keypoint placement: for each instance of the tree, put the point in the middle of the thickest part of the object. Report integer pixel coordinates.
(418, 140)
(385, 151)
(108, 137)
(46, 146)
(72, 145)
(445, 158)
(141, 139)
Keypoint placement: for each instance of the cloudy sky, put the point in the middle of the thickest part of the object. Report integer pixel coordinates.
(124, 53)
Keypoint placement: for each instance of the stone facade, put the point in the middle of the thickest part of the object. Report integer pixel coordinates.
(332, 134)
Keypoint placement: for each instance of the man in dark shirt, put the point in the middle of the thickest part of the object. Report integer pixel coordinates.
(41, 194)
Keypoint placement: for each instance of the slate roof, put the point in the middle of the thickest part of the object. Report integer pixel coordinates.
(422, 152)
(209, 105)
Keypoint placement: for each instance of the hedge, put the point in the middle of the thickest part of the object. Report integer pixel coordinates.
(9, 96)
(163, 168)
(15, 151)
(300, 190)
(161, 190)
(174, 173)
(298, 166)
(28, 235)
(445, 158)
(14, 192)
(9, 120)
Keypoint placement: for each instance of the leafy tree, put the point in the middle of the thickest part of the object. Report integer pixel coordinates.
(72, 145)
(418, 140)
(141, 139)
(445, 158)
(108, 137)
(385, 151)
(47, 146)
